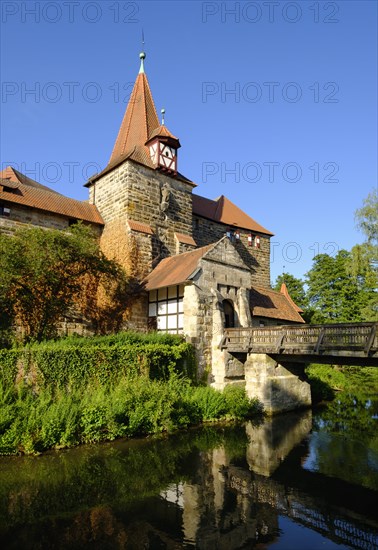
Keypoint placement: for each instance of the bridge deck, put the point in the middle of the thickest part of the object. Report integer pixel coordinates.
(338, 341)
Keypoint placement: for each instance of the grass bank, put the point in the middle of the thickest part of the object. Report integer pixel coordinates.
(61, 394)
(327, 380)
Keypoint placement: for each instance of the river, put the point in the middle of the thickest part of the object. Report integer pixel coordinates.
(306, 480)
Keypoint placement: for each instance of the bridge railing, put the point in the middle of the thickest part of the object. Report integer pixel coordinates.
(312, 339)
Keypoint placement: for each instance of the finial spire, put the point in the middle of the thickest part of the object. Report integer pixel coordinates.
(142, 57)
(162, 116)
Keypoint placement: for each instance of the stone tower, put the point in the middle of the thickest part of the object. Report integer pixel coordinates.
(145, 202)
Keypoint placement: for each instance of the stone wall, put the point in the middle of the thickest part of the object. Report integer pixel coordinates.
(145, 205)
(132, 191)
(198, 327)
(22, 216)
(280, 388)
(138, 315)
(257, 259)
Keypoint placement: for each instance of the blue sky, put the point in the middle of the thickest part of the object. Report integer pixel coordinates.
(275, 103)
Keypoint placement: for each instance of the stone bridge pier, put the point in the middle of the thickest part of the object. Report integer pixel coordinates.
(279, 387)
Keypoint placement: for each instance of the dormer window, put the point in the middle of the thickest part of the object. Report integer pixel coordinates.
(9, 186)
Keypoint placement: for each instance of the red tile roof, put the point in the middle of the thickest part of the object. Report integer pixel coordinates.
(163, 132)
(185, 239)
(34, 195)
(15, 176)
(284, 290)
(224, 211)
(175, 269)
(140, 227)
(265, 302)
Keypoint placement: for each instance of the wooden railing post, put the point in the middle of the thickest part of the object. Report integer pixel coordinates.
(370, 339)
(319, 341)
(280, 341)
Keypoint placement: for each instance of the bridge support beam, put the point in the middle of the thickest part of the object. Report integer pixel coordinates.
(279, 387)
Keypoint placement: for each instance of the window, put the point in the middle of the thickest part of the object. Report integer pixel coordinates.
(4, 211)
(167, 306)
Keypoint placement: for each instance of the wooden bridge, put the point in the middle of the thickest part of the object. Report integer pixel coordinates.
(345, 343)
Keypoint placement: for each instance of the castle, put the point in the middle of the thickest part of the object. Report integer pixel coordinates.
(204, 264)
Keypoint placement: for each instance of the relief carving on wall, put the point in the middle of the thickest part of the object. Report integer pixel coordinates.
(165, 197)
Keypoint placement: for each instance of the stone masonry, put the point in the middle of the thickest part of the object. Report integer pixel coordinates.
(22, 216)
(132, 191)
(257, 259)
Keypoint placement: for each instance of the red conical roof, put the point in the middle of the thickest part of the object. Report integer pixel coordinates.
(139, 122)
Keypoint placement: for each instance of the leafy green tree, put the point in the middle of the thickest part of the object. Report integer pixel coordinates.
(367, 217)
(43, 273)
(333, 291)
(364, 257)
(364, 270)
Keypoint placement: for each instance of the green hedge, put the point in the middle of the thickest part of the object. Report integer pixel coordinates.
(77, 361)
(84, 390)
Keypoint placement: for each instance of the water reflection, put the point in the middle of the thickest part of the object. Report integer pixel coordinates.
(216, 487)
(271, 442)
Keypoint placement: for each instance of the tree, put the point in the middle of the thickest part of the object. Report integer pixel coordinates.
(333, 291)
(367, 218)
(43, 274)
(364, 257)
(363, 267)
